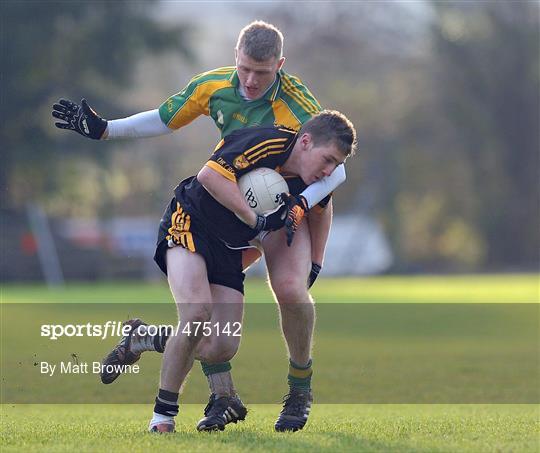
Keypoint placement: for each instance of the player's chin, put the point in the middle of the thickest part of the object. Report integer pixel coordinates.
(252, 94)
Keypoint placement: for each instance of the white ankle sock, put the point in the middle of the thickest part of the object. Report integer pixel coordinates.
(141, 341)
(160, 418)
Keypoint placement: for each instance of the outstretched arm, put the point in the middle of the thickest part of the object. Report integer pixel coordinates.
(79, 118)
(85, 121)
(144, 124)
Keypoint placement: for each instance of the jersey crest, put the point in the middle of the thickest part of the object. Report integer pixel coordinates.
(241, 162)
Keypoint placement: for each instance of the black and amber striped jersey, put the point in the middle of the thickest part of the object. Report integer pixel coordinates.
(250, 148)
(235, 155)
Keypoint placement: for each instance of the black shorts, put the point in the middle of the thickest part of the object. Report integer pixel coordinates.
(178, 228)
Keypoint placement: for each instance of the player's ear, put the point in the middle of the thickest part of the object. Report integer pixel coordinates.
(280, 63)
(306, 140)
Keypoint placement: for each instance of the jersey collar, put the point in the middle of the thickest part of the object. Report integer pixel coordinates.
(270, 95)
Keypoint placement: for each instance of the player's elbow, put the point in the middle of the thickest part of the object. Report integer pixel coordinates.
(205, 176)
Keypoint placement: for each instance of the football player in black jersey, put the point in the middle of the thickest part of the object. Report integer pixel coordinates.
(201, 236)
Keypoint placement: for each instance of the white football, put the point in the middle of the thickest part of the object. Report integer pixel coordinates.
(262, 188)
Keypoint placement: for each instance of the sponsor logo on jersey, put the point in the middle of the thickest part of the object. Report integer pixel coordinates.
(241, 162)
(240, 117)
(225, 165)
(85, 127)
(220, 117)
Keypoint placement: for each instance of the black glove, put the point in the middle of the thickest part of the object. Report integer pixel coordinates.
(296, 209)
(79, 118)
(272, 221)
(315, 269)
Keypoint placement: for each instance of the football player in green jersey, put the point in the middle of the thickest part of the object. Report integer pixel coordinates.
(255, 92)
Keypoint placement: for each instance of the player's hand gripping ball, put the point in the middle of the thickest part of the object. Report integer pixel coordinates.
(263, 189)
(272, 221)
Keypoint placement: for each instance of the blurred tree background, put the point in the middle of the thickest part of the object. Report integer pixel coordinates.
(445, 97)
(74, 49)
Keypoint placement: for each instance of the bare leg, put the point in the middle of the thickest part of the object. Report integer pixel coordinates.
(288, 269)
(229, 311)
(189, 285)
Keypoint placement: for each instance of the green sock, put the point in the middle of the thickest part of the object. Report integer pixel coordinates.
(300, 376)
(213, 368)
(219, 378)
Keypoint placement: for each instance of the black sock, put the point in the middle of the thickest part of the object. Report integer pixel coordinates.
(166, 403)
(161, 339)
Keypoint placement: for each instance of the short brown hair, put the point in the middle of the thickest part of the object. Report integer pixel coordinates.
(260, 41)
(331, 125)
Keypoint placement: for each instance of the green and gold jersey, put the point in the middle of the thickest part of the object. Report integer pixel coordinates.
(215, 93)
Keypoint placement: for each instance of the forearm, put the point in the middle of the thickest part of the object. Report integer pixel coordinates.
(315, 192)
(144, 124)
(227, 193)
(319, 229)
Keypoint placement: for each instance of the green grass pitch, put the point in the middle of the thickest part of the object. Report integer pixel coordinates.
(373, 428)
(331, 427)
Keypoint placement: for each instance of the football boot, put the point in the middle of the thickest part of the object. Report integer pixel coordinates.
(295, 412)
(121, 354)
(221, 411)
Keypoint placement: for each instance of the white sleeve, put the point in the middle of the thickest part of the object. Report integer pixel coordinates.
(315, 192)
(144, 124)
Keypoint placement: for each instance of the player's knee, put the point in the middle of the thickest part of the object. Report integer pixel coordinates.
(185, 287)
(195, 315)
(290, 290)
(221, 352)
